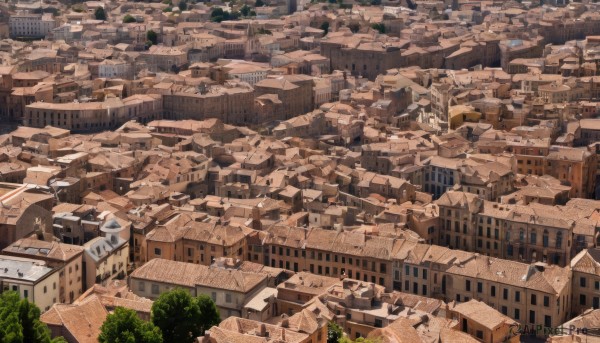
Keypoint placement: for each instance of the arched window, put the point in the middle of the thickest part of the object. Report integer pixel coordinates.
(545, 238)
(521, 235)
(559, 240)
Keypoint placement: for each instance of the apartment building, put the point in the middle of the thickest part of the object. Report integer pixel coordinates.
(536, 232)
(485, 323)
(164, 59)
(67, 259)
(31, 25)
(233, 105)
(586, 281)
(296, 292)
(32, 279)
(106, 257)
(94, 116)
(577, 166)
(332, 253)
(294, 91)
(229, 289)
(182, 239)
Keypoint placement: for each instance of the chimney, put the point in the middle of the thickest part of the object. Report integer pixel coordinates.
(263, 330)
(285, 322)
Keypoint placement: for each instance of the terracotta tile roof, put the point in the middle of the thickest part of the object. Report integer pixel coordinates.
(232, 280)
(82, 320)
(170, 272)
(46, 250)
(483, 314)
(587, 261)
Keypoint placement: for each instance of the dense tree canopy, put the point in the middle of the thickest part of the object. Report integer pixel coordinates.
(183, 5)
(124, 326)
(379, 27)
(209, 313)
(152, 36)
(100, 14)
(20, 321)
(182, 317)
(334, 333)
(128, 19)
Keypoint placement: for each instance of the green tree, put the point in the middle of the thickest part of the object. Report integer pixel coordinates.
(379, 27)
(245, 10)
(152, 36)
(209, 313)
(20, 321)
(259, 3)
(180, 316)
(334, 333)
(124, 326)
(325, 28)
(354, 27)
(128, 18)
(182, 5)
(168, 9)
(100, 14)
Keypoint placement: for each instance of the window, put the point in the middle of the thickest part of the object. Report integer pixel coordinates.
(533, 299)
(532, 317)
(546, 301)
(558, 240)
(142, 287)
(479, 334)
(157, 251)
(468, 285)
(26, 294)
(382, 268)
(415, 272)
(424, 274)
(407, 270)
(505, 294)
(227, 298)
(582, 299)
(583, 282)
(545, 239)
(213, 295)
(518, 296)
(517, 314)
(597, 285)
(504, 310)
(493, 291)
(155, 289)
(532, 238)
(547, 321)
(479, 287)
